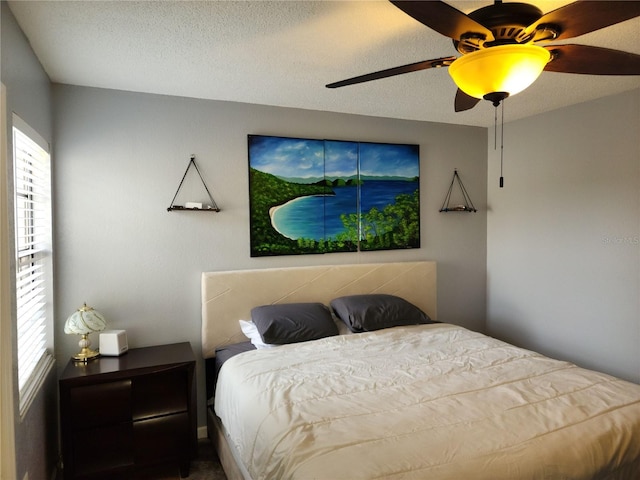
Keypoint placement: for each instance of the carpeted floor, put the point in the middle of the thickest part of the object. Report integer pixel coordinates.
(205, 467)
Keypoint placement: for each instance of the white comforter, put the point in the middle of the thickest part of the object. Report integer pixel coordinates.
(425, 402)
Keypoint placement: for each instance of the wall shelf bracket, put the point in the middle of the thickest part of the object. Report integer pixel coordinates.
(468, 204)
(212, 207)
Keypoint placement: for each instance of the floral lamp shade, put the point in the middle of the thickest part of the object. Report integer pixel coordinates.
(84, 321)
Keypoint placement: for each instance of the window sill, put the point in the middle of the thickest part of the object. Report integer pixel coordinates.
(34, 384)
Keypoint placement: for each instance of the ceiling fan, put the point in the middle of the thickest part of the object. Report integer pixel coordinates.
(499, 45)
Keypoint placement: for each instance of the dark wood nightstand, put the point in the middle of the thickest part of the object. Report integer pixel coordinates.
(120, 414)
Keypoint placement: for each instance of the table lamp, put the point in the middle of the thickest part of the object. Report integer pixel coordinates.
(84, 321)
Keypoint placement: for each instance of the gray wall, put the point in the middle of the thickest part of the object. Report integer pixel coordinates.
(29, 96)
(563, 260)
(120, 157)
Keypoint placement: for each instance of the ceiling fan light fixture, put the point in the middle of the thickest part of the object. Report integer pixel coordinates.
(503, 68)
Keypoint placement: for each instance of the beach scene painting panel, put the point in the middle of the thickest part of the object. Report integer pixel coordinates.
(307, 196)
(389, 183)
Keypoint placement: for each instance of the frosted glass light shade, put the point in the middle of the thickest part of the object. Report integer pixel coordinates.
(504, 68)
(84, 321)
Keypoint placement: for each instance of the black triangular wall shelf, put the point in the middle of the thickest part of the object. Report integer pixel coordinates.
(468, 204)
(212, 208)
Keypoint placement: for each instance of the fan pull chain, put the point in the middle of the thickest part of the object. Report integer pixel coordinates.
(501, 144)
(495, 128)
(495, 137)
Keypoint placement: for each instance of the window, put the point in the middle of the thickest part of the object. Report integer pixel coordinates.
(33, 260)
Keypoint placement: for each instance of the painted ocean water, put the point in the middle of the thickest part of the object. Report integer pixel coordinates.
(299, 217)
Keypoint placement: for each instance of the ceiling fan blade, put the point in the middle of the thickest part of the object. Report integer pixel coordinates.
(464, 102)
(390, 72)
(592, 60)
(443, 18)
(586, 16)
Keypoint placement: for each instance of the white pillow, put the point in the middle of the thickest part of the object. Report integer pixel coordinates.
(342, 327)
(251, 332)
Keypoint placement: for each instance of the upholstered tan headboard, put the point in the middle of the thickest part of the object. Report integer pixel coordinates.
(229, 296)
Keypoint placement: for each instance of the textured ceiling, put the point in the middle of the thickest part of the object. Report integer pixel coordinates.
(283, 53)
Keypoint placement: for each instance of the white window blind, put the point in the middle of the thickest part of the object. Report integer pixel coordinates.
(33, 245)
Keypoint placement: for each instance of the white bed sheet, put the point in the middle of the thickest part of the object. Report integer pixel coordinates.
(433, 401)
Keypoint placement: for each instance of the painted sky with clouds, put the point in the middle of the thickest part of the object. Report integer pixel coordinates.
(295, 157)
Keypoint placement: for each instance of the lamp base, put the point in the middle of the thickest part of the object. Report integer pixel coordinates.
(85, 354)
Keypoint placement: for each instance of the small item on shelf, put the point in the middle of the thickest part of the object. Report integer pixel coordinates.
(193, 206)
(467, 207)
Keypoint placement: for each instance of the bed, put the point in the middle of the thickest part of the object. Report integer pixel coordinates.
(398, 399)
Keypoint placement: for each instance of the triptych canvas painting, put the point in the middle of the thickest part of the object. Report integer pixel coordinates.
(319, 196)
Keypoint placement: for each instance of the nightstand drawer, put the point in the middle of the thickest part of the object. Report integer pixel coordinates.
(100, 404)
(103, 449)
(162, 437)
(160, 393)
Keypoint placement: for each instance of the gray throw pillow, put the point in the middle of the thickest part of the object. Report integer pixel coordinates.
(293, 322)
(366, 313)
